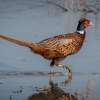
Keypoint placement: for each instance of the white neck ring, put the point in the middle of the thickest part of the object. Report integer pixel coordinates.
(81, 32)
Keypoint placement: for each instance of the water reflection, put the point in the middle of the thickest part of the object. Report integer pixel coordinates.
(52, 92)
(39, 85)
(56, 91)
(67, 79)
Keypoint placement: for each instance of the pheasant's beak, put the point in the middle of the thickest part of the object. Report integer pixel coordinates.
(91, 23)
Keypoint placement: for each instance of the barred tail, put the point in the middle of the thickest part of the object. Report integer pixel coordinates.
(33, 46)
(17, 41)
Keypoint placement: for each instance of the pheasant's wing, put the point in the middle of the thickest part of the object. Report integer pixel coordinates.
(63, 44)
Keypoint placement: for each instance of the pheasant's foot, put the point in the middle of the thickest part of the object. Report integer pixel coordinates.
(68, 67)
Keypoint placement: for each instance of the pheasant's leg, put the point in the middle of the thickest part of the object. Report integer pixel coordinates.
(51, 70)
(67, 67)
(56, 62)
(69, 75)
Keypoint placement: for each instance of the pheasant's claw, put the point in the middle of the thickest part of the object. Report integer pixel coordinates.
(68, 68)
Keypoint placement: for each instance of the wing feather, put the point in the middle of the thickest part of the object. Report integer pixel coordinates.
(61, 44)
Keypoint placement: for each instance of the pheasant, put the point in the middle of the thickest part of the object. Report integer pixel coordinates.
(58, 47)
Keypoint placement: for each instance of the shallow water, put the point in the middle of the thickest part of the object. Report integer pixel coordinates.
(22, 72)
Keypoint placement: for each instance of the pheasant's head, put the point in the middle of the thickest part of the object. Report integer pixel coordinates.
(85, 22)
(82, 25)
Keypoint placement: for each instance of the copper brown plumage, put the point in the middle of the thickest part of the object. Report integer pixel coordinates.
(58, 47)
(64, 45)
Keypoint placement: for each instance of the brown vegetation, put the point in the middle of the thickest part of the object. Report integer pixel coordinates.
(52, 93)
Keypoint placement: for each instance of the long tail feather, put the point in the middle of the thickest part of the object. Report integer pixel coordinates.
(16, 41)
